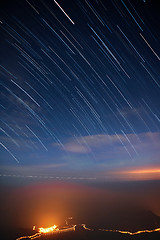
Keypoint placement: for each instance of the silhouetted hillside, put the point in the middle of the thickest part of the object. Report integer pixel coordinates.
(129, 221)
(80, 234)
(99, 235)
(132, 222)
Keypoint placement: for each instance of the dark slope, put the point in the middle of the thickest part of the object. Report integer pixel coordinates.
(128, 220)
(131, 221)
(99, 235)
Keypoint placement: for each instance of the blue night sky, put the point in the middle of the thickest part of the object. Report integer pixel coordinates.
(80, 89)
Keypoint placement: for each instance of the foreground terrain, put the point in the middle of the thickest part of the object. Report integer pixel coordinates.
(80, 233)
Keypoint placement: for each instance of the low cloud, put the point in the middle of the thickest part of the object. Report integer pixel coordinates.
(116, 150)
(76, 147)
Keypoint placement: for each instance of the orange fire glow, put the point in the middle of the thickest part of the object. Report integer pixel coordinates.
(34, 228)
(48, 230)
(55, 229)
(132, 233)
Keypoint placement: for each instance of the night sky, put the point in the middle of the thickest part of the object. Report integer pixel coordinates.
(80, 87)
(79, 92)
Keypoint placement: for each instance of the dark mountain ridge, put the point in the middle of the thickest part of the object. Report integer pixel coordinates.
(131, 221)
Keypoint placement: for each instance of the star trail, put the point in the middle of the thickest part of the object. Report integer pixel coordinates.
(80, 87)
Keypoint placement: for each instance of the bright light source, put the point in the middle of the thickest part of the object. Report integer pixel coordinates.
(47, 230)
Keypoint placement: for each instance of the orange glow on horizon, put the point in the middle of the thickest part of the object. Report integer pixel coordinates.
(143, 174)
(140, 173)
(145, 171)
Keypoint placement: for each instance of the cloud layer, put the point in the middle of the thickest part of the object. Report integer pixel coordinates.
(112, 152)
